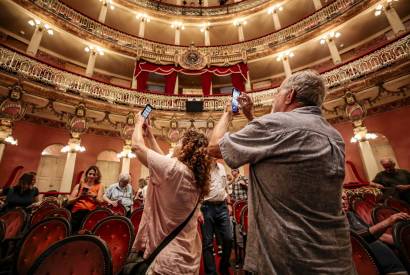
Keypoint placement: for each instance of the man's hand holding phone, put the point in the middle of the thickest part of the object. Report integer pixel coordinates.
(246, 104)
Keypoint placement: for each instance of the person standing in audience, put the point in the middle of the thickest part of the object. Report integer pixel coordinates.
(296, 224)
(176, 185)
(394, 182)
(120, 192)
(142, 183)
(24, 194)
(374, 234)
(239, 186)
(86, 196)
(216, 209)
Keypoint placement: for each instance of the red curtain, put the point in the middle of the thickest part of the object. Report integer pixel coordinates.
(170, 81)
(206, 80)
(142, 81)
(238, 82)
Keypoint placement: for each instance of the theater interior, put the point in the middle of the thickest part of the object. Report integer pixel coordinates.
(75, 74)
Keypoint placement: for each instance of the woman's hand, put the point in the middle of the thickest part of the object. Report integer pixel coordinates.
(398, 217)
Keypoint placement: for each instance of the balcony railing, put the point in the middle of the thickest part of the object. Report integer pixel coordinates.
(198, 11)
(217, 55)
(65, 82)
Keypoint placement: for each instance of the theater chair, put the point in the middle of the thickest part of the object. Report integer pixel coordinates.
(119, 209)
(15, 222)
(381, 213)
(136, 217)
(363, 209)
(79, 254)
(137, 204)
(363, 258)
(42, 212)
(397, 204)
(236, 209)
(38, 239)
(118, 233)
(401, 237)
(94, 217)
(59, 212)
(244, 227)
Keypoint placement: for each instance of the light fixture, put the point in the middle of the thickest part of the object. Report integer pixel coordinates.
(359, 138)
(178, 25)
(284, 55)
(108, 3)
(73, 148)
(329, 37)
(143, 17)
(94, 50)
(204, 26)
(239, 22)
(126, 153)
(11, 140)
(36, 22)
(275, 8)
(380, 7)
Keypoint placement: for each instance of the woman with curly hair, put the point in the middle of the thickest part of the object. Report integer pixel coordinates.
(176, 184)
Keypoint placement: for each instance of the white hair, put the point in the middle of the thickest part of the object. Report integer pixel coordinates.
(308, 86)
(124, 177)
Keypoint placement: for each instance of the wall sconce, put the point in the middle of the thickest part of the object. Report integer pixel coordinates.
(284, 55)
(94, 50)
(329, 37)
(41, 25)
(360, 138)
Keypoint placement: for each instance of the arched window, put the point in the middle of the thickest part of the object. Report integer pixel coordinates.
(51, 167)
(109, 165)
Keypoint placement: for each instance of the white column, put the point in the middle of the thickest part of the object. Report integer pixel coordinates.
(176, 85)
(286, 66)
(240, 33)
(177, 36)
(317, 4)
(276, 21)
(2, 147)
(367, 155)
(248, 86)
(141, 31)
(35, 41)
(394, 20)
(207, 38)
(333, 51)
(179, 2)
(103, 12)
(125, 165)
(206, 4)
(68, 173)
(91, 64)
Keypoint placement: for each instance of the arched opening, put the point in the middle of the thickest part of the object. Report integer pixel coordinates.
(382, 149)
(51, 167)
(109, 165)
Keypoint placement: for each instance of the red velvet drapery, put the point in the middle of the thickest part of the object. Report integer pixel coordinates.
(239, 74)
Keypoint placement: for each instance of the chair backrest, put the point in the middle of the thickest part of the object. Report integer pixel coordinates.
(42, 212)
(237, 208)
(401, 237)
(136, 218)
(94, 217)
(119, 209)
(118, 233)
(2, 230)
(60, 212)
(15, 221)
(381, 213)
(40, 237)
(397, 204)
(363, 258)
(363, 209)
(79, 254)
(244, 220)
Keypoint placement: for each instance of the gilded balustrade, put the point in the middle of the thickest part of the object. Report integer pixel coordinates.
(66, 82)
(217, 55)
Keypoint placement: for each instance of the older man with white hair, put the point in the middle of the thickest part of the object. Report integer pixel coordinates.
(296, 224)
(120, 192)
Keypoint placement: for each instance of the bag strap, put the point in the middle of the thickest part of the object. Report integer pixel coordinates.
(170, 237)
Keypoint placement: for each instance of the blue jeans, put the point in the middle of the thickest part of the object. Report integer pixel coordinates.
(216, 221)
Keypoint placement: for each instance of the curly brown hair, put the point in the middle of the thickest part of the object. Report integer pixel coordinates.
(97, 174)
(193, 154)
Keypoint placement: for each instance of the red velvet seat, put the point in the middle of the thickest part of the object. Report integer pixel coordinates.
(59, 212)
(382, 213)
(94, 217)
(363, 258)
(118, 233)
(244, 220)
(237, 208)
(80, 254)
(42, 212)
(401, 237)
(397, 204)
(15, 221)
(40, 237)
(119, 209)
(363, 209)
(136, 218)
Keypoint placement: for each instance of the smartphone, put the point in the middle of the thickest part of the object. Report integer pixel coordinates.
(235, 104)
(147, 110)
(85, 190)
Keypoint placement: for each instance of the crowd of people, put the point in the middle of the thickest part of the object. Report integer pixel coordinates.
(296, 167)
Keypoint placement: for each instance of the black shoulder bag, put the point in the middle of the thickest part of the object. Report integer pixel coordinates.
(136, 265)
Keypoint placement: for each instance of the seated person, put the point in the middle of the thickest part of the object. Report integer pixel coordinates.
(374, 235)
(394, 182)
(120, 192)
(86, 196)
(24, 194)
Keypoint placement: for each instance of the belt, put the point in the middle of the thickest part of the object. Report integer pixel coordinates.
(213, 202)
